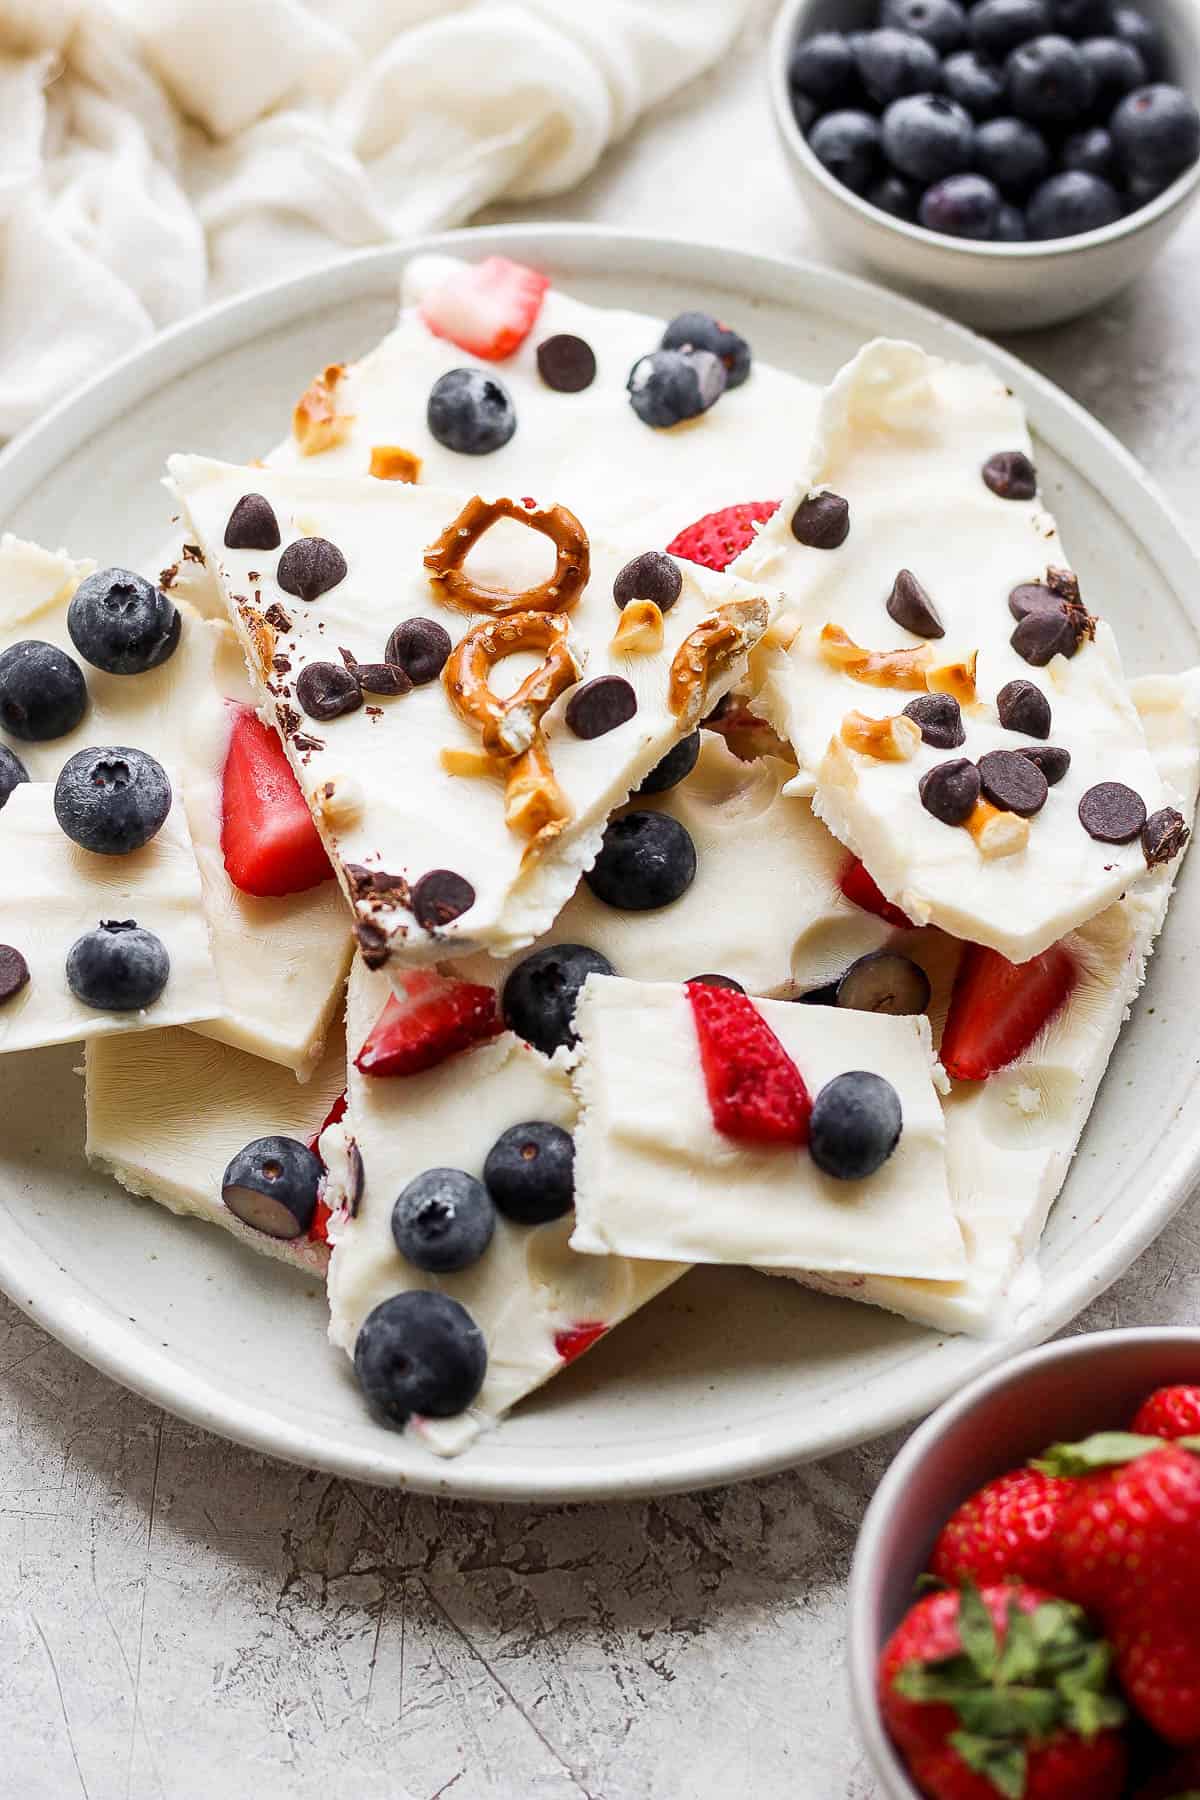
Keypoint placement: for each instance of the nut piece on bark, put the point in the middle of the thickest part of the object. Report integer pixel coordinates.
(389, 462)
(316, 423)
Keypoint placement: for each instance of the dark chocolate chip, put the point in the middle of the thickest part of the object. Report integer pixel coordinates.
(276, 617)
(325, 690)
(1011, 475)
(310, 567)
(566, 363)
(910, 606)
(252, 525)
(1045, 634)
(822, 522)
(382, 678)
(1064, 583)
(1050, 759)
(601, 705)
(1032, 596)
(441, 896)
(372, 942)
(420, 647)
(1023, 707)
(14, 972)
(1112, 813)
(651, 576)
(1163, 836)
(358, 1178)
(950, 790)
(940, 719)
(718, 981)
(1013, 783)
(348, 657)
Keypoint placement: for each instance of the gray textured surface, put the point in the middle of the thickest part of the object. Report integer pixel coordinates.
(180, 1620)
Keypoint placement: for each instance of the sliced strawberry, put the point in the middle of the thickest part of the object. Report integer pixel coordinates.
(488, 308)
(318, 1231)
(997, 1008)
(436, 1018)
(268, 839)
(755, 1091)
(860, 890)
(576, 1339)
(718, 537)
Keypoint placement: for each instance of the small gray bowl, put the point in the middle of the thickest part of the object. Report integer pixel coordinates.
(1058, 1393)
(995, 287)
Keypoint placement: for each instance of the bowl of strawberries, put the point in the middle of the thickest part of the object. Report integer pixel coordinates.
(1025, 1596)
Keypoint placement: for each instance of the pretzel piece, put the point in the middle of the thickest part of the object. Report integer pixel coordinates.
(997, 833)
(445, 558)
(706, 653)
(316, 422)
(887, 740)
(876, 668)
(390, 462)
(956, 678)
(639, 630)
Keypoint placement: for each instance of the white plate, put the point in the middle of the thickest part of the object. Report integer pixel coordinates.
(728, 1374)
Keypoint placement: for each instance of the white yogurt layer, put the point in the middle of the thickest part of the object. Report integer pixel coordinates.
(528, 1288)
(903, 438)
(655, 1178)
(375, 778)
(167, 1110)
(52, 892)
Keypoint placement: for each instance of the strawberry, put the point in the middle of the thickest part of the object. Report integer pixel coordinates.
(318, 1231)
(573, 1340)
(755, 1091)
(997, 1008)
(718, 537)
(488, 308)
(860, 889)
(1007, 1529)
(1170, 1412)
(435, 1019)
(268, 839)
(1002, 1691)
(1180, 1780)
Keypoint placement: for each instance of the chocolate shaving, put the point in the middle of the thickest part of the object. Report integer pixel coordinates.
(281, 664)
(358, 1179)
(303, 741)
(372, 942)
(193, 553)
(276, 616)
(1163, 836)
(166, 579)
(288, 719)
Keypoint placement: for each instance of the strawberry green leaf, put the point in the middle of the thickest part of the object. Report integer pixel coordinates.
(1004, 1765)
(1010, 1712)
(976, 1632)
(1090, 1714)
(1103, 1450)
(1020, 1655)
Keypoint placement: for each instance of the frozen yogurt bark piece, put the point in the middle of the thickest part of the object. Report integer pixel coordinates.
(926, 577)
(537, 1304)
(458, 814)
(663, 1171)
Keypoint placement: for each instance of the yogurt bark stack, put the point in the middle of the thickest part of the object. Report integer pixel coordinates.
(720, 878)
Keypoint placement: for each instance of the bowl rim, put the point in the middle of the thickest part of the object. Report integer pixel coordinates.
(862, 1649)
(787, 20)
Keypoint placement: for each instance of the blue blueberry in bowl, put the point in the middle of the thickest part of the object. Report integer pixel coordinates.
(893, 63)
(1133, 27)
(1083, 18)
(997, 26)
(942, 22)
(668, 386)
(112, 801)
(530, 1172)
(470, 412)
(962, 206)
(1070, 203)
(1156, 130)
(1049, 82)
(892, 194)
(699, 331)
(419, 1353)
(272, 1185)
(538, 999)
(12, 773)
(1013, 154)
(443, 1221)
(1117, 68)
(847, 144)
(927, 137)
(976, 83)
(122, 623)
(1008, 226)
(1091, 151)
(119, 967)
(43, 694)
(822, 68)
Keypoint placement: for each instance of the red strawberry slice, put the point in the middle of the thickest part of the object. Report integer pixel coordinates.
(755, 1091)
(436, 1019)
(488, 308)
(997, 1008)
(718, 537)
(1170, 1412)
(577, 1338)
(860, 890)
(268, 839)
(318, 1231)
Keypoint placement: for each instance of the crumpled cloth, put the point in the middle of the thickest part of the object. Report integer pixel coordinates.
(157, 154)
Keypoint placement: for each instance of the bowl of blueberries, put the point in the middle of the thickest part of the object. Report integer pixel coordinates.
(1013, 161)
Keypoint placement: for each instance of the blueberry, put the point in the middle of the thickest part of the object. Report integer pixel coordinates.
(470, 412)
(997, 26)
(855, 1125)
(1083, 18)
(669, 386)
(1156, 130)
(12, 773)
(530, 1172)
(893, 63)
(961, 206)
(1130, 24)
(122, 623)
(1049, 83)
(443, 1221)
(1090, 151)
(1012, 154)
(822, 67)
(272, 1186)
(942, 22)
(112, 801)
(538, 999)
(675, 766)
(42, 691)
(847, 143)
(1070, 203)
(977, 85)
(699, 331)
(1117, 69)
(1141, 189)
(1008, 226)
(419, 1352)
(806, 112)
(119, 967)
(927, 136)
(892, 194)
(647, 860)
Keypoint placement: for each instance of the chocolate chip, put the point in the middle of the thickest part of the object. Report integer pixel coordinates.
(910, 606)
(420, 647)
(950, 790)
(310, 567)
(822, 522)
(1032, 596)
(1112, 813)
(940, 719)
(441, 896)
(566, 363)
(1163, 836)
(372, 942)
(651, 576)
(252, 525)
(717, 981)
(276, 617)
(348, 657)
(1023, 707)
(1050, 759)
(600, 706)
(1064, 583)
(325, 691)
(1045, 634)
(382, 678)
(1013, 783)
(14, 972)
(1011, 475)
